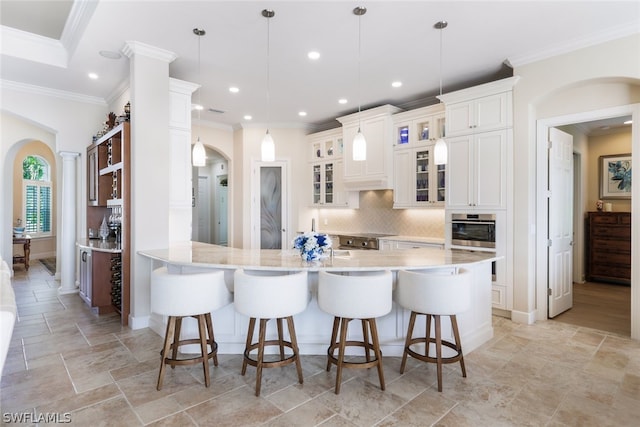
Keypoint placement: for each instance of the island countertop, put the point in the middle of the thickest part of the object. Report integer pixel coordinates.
(198, 254)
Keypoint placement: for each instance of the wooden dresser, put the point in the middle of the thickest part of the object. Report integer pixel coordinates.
(609, 247)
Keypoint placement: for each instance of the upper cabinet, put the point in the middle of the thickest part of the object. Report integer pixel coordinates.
(327, 164)
(418, 181)
(480, 109)
(376, 173)
(419, 126)
(106, 167)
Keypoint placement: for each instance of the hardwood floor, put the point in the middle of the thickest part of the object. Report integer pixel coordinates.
(602, 306)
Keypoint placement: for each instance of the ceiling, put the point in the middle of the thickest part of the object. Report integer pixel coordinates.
(55, 44)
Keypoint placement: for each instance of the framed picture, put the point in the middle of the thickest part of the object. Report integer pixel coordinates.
(615, 176)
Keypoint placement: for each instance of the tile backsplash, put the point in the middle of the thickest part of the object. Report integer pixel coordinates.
(376, 215)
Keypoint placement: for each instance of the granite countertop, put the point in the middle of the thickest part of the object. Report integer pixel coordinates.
(214, 256)
(100, 245)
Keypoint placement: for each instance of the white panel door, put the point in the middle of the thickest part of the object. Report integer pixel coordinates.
(560, 280)
(460, 169)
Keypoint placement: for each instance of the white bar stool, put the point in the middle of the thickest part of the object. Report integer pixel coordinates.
(434, 294)
(359, 295)
(188, 295)
(264, 296)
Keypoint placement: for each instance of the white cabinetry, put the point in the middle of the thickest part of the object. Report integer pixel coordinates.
(327, 170)
(479, 115)
(480, 169)
(477, 170)
(376, 172)
(418, 182)
(388, 244)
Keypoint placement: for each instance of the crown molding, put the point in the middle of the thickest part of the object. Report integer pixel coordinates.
(77, 21)
(131, 48)
(574, 44)
(44, 91)
(182, 86)
(32, 47)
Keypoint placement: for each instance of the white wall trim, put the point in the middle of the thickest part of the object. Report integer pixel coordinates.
(542, 130)
(140, 322)
(523, 317)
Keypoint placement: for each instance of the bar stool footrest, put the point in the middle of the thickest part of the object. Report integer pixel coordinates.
(450, 359)
(288, 359)
(368, 347)
(189, 360)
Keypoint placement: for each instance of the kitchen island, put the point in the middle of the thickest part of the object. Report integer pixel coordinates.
(313, 327)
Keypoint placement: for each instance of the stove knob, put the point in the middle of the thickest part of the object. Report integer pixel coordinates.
(349, 242)
(364, 244)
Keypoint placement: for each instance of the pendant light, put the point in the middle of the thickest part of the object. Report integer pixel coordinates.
(198, 155)
(440, 149)
(268, 148)
(359, 143)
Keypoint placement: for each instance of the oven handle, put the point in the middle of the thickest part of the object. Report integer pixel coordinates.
(474, 222)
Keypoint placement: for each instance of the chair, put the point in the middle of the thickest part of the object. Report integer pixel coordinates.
(188, 295)
(265, 295)
(358, 295)
(434, 294)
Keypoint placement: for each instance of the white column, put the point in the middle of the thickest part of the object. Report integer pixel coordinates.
(67, 230)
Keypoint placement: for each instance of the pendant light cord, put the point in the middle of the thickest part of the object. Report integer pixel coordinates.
(441, 60)
(268, 71)
(359, 58)
(199, 108)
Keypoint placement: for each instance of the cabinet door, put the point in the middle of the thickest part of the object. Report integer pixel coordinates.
(490, 154)
(490, 112)
(317, 184)
(378, 153)
(404, 175)
(459, 118)
(328, 183)
(460, 169)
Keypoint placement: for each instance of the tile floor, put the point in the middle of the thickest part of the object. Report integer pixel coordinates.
(64, 360)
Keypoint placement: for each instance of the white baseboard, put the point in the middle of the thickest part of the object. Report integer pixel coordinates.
(138, 322)
(528, 318)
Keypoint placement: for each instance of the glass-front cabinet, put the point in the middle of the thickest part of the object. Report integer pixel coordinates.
(327, 171)
(323, 183)
(418, 182)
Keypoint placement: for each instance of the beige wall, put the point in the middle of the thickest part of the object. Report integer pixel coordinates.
(45, 246)
(619, 143)
(595, 78)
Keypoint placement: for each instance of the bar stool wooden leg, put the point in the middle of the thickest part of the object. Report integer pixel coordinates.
(252, 326)
(407, 342)
(334, 336)
(456, 335)
(212, 338)
(203, 345)
(427, 335)
(280, 337)
(376, 349)
(365, 339)
(343, 339)
(262, 333)
(438, 351)
(294, 344)
(171, 325)
(176, 339)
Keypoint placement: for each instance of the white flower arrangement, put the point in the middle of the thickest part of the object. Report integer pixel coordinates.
(313, 245)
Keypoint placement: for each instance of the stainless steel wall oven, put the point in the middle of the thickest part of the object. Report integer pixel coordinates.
(475, 230)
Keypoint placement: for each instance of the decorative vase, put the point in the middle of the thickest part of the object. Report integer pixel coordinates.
(104, 229)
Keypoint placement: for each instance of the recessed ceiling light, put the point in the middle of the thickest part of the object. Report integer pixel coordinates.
(342, 101)
(93, 76)
(234, 89)
(197, 107)
(628, 122)
(248, 117)
(396, 84)
(313, 55)
(110, 54)
(302, 113)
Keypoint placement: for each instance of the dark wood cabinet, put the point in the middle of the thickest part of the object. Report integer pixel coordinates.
(609, 247)
(108, 198)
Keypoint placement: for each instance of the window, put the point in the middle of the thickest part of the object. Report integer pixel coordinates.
(37, 196)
